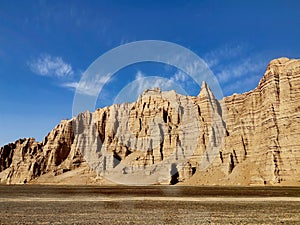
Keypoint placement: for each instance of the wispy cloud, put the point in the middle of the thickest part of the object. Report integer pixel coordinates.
(71, 85)
(179, 81)
(236, 69)
(47, 65)
(175, 82)
(142, 83)
(53, 66)
(179, 77)
(233, 87)
(223, 53)
(239, 70)
(89, 87)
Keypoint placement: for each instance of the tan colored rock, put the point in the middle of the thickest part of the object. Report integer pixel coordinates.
(263, 126)
(244, 139)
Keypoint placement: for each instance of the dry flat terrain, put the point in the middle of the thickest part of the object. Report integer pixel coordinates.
(33, 204)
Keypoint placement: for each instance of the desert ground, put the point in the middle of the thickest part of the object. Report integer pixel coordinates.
(41, 204)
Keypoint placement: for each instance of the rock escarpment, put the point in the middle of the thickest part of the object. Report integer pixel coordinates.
(262, 143)
(244, 139)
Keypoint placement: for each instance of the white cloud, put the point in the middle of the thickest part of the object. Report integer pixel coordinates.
(180, 82)
(89, 87)
(179, 76)
(194, 68)
(216, 56)
(47, 65)
(72, 85)
(139, 75)
(142, 82)
(190, 65)
(133, 90)
(238, 70)
(246, 84)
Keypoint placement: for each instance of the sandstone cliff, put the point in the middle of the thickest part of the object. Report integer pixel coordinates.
(164, 137)
(262, 143)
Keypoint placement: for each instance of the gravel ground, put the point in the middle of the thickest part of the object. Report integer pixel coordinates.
(160, 205)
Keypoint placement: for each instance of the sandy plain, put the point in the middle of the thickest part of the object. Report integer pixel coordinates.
(42, 204)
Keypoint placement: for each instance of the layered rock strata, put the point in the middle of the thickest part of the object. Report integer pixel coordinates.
(164, 137)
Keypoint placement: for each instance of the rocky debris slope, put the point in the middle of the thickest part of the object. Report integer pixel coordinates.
(244, 139)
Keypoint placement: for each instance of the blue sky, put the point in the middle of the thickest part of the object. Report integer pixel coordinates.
(45, 46)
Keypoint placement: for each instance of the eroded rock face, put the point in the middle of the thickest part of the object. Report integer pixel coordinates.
(139, 143)
(27, 159)
(244, 139)
(21, 161)
(264, 126)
